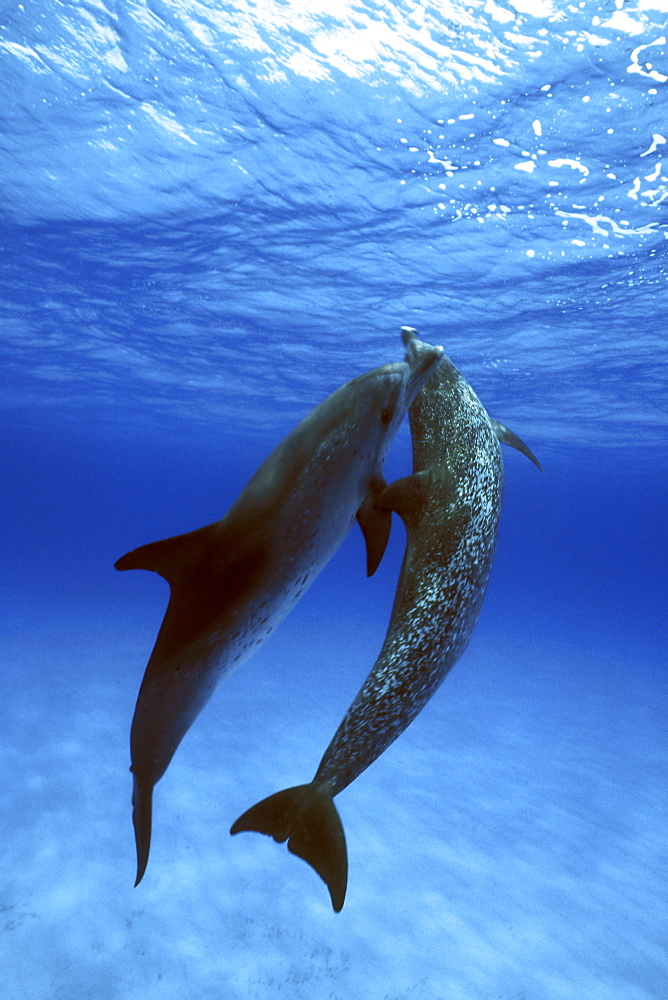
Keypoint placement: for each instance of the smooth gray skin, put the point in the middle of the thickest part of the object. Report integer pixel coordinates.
(450, 506)
(234, 581)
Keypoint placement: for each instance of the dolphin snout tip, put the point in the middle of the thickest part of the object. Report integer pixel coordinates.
(427, 354)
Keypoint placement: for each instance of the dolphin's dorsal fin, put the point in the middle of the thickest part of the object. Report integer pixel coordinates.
(506, 436)
(173, 558)
(375, 524)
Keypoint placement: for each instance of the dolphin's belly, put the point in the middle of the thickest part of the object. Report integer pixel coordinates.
(174, 692)
(175, 689)
(436, 608)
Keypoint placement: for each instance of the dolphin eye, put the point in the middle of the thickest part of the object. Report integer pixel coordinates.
(386, 416)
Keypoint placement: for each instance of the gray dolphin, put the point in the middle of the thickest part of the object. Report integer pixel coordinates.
(450, 506)
(234, 581)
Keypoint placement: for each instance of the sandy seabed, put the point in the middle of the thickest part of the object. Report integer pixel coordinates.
(510, 846)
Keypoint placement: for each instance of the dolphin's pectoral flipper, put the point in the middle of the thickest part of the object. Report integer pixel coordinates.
(506, 436)
(142, 808)
(376, 525)
(403, 494)
(172, 557)
(306, 817)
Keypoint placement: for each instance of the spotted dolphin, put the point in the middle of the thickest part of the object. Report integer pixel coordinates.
(233, 582)
(450, 506)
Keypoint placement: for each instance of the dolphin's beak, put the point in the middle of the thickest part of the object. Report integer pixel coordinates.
(422, 359)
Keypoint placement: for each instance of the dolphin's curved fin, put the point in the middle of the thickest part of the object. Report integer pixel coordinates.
(376, 526)
(172, 557)
(142, 808)
(506, 436)
(306, 817)
(403, 494)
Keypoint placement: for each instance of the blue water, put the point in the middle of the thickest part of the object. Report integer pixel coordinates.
(212, 215)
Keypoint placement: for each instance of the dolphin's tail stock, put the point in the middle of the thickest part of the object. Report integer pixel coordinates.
(306, 817)
(142, 809)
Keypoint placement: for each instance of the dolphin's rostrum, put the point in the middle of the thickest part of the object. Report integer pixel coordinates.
(234, 581)
(450, 506)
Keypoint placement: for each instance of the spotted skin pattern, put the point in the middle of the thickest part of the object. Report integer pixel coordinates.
(450, 506)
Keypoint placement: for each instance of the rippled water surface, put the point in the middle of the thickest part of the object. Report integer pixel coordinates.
(210, 205)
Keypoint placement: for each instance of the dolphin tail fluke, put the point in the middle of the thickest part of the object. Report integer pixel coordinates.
(142, 809)
(306, 817)
(506, 436)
